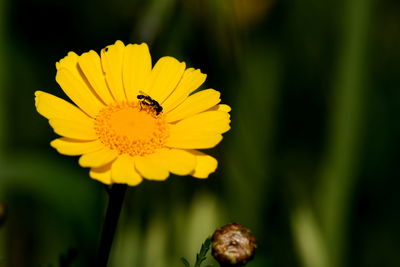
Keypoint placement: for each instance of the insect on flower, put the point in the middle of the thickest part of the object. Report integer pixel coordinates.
(150, 102)
(121, 133)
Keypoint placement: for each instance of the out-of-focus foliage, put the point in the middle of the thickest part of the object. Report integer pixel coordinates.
(310, 165)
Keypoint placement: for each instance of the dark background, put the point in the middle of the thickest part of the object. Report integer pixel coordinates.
(311, 162)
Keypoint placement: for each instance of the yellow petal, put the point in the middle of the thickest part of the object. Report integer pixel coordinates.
(149, 167)
(102, 174)
(193, 140)
(164, 77)
(74, 129)
(72, 147)
(112, 58)
(98, 158)
(205, 164)
(209, 121)
(69, 62)
(123, 171)
(221, 107)
(136, 68)
(177, 161)
(90, 65)
(50, 107)
(78, 91)
(191, 80)
(194, 104)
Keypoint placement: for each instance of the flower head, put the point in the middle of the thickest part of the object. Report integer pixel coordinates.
(130, 120)
(233, 245)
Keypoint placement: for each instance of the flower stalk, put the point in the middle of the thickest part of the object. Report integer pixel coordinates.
(116, 199)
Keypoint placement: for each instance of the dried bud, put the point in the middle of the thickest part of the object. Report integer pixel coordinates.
(3, 213)
(233, 245)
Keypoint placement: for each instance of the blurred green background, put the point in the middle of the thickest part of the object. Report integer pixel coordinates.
(311, 162)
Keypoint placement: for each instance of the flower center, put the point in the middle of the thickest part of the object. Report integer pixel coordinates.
(131, 128)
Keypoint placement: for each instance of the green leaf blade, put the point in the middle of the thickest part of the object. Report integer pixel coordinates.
(185, 262)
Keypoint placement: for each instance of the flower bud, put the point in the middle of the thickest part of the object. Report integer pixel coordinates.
(233, 245)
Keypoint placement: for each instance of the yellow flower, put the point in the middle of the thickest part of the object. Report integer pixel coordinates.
(131, 121)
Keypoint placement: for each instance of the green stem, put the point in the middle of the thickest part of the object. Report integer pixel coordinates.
(116, 199)
(340, 171)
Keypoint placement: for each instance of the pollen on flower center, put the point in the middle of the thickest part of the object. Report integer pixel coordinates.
(131, 129)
